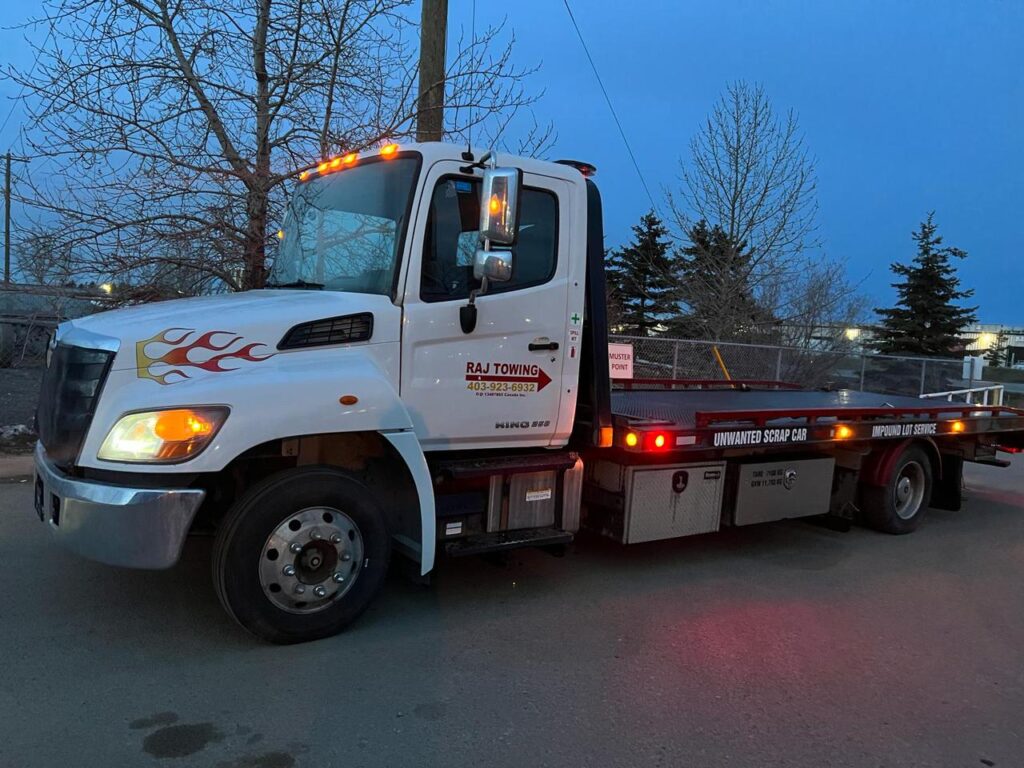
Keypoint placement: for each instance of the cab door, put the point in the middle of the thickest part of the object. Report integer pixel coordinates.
(501, 384)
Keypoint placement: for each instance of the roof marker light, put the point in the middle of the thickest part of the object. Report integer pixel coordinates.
(350, 158)
(388, 150)
(304, 175)
(335, 163)
(322, 168)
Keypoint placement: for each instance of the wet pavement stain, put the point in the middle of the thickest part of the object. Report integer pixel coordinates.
(180, 740)
(266, 760)
(160, 718)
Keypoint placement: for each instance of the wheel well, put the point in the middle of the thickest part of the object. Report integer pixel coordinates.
(367, 456)
(880, 464)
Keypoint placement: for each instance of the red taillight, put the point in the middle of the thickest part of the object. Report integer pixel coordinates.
(656, 441)
(1009, 449)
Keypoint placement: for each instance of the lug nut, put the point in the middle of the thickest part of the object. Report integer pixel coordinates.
(288, 570)
(339, 577)
(346, 557)
(315, 535)
(319, 591)
(335, 538)
(299, 589)
(295, 547)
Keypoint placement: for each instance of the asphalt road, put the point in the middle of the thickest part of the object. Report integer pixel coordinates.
(777, 645)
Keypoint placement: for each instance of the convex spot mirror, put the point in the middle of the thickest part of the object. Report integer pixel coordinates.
(496, 266)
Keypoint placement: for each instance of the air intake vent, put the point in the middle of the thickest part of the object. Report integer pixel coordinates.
(332, 330)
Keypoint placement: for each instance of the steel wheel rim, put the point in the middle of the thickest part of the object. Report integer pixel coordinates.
(311, 560)
(908, 495)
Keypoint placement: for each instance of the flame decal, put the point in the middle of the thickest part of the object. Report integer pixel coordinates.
(177, 357)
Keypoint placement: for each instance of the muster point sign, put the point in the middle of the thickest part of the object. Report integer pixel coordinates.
(620, 361)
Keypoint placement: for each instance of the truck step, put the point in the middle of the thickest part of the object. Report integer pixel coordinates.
(460, 469)
(505, 540)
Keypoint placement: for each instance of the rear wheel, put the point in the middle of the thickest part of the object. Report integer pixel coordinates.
(900, 505)
(301, 555)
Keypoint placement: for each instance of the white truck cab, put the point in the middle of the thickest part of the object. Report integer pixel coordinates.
(424, 303)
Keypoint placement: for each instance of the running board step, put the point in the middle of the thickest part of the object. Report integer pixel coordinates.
(459, 469)
(505, 540)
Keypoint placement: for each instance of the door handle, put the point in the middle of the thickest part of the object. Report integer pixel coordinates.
(542, 344)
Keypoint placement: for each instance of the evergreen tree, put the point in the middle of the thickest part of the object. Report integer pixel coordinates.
(926, 319)
(998, 354)
(716, 288)
(641, 279)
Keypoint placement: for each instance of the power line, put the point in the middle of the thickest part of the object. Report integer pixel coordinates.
(611, 108)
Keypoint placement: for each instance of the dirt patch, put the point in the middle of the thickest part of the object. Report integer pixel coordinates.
(19, 390)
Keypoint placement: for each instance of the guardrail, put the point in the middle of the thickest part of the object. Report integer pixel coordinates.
(996, 391)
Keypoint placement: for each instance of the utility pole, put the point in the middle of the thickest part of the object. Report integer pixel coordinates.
(7, 220)
(433, 38)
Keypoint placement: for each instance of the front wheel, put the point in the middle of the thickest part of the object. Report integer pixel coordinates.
(900, 505)
(301, 555)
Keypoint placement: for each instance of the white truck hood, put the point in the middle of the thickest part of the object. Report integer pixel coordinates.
(171, 340)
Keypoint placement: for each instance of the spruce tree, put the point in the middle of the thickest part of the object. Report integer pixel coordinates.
(716, 290)
(641, 278)
(926, 320)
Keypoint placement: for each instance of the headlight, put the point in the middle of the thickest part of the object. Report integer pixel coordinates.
(162, 436)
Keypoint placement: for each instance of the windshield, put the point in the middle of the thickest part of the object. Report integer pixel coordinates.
(342, 231)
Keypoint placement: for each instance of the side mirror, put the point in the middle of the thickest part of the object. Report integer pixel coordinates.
(499, 205)
(496, 266)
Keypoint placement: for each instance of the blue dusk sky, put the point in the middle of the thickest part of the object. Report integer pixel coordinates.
(907, 107)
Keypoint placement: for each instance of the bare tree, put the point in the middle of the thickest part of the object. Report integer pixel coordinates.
(169, 128)
(746, 211)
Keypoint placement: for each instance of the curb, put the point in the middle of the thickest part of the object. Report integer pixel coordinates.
(16, 467)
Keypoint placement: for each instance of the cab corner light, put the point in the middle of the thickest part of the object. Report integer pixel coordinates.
(843, 432)
(957, 426)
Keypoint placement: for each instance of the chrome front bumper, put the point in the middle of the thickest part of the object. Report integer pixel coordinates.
(130, 527)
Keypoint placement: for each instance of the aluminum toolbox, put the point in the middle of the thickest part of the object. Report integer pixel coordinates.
(662, 501)
(781, 489)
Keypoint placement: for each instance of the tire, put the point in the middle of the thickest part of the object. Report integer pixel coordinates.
(901, 504)
(322, 510)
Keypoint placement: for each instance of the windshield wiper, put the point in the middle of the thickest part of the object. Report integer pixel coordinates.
(297, 284)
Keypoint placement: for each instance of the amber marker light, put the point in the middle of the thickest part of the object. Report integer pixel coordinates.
(388, 150)
(304, 175)
(494, 204)
(632, 439)
(957, 426)
(348, 399)
(843, 432)
(350, 158)
(280, 234)
(606, 437)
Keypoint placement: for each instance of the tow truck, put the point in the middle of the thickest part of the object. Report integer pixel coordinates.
(427, 371)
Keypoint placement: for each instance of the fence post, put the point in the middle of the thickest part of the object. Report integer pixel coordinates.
(778, 366)
(675, 359)
(924, 365)
(863, 365)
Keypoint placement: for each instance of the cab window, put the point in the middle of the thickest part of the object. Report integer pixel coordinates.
(452, 238)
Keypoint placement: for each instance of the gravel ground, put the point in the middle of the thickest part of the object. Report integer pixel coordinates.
(19, 388)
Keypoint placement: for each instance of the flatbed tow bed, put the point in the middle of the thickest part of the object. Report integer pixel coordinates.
(698, 416)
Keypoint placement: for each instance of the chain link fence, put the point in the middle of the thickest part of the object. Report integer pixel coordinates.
(28, 316)
(663, 358)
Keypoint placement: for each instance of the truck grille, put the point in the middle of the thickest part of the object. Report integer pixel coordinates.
(67, 399)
